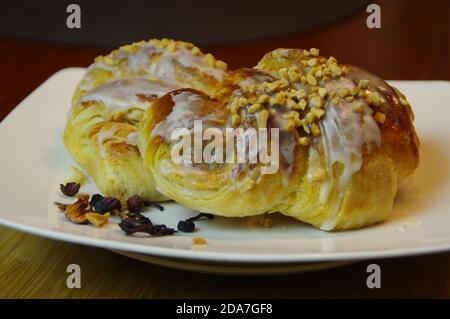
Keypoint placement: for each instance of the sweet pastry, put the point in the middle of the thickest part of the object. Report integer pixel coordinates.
(346, 140)
(109, 101)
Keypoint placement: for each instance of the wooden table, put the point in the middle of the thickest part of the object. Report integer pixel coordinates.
(413, 43)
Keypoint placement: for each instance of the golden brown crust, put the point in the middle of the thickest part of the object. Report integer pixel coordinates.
(109, 102)
(353, 142)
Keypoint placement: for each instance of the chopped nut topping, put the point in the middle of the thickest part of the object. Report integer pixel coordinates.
(171, 47)
(315, 129)
(335, 69)
(283, 72)
(342, 92)
(358, 107)
(318, 113)
(221, 65)
(380, 117)
(316, 101)
(311, 79)
(292, 104)
(210, 60)
(289, 126)
(314, 52)
(262, 118)
(363, 84)
(376, 99)
(300, 94)
(303, 141)
(235, 120)
(322, 92)
(196, 51)
(243, 101)
(263, 99)
(302, 104)
(253, 108)
(294, 76)
(350, 98)
(312, 62)
(403, 101)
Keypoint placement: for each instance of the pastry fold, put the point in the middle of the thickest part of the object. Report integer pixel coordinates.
(108, 104)
(346, 140)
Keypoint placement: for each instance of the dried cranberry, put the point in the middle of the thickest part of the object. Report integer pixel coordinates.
(70, 189)
(135, 204)
(107, 204)
(155, 230)
(186, 226)
(95, 198)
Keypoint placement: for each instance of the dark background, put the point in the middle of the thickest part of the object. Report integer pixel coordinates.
(413, 44)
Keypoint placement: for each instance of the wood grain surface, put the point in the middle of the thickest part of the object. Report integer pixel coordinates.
(413, 43)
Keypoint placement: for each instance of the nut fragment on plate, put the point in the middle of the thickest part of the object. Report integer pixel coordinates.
(98, 220)
(199, 241)
(80, 213)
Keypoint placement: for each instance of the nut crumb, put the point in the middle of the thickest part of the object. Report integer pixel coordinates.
(98, 220)
(266, 221)
(198, 241)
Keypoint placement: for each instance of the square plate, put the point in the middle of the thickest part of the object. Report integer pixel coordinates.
(34, 162)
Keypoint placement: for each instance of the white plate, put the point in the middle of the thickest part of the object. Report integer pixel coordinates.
(33, 162)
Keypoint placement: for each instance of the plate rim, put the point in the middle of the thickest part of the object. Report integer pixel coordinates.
(209, 256)
(227, 257)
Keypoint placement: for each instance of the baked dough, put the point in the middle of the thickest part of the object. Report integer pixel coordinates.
(108, 104)
(346, 141)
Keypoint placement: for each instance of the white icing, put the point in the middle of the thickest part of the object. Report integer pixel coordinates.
(132, 138)
(163, 66)
(123, 94)
(103, 136)
(181, 115)
(344, 132)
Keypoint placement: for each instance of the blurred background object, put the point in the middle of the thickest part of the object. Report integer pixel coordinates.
(110, 23)
(413, 43)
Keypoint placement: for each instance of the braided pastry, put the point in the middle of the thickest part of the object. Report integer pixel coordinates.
(109, 102)
(346, 139)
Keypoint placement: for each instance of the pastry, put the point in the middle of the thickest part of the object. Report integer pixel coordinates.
(109, 101)
(345, 140)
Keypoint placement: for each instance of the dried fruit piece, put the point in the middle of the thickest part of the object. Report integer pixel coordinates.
(107, 204)
(154, 230)
(135, 204)
(61, 206)
(98, 220)
(186, 226)
(70, 189)
(76, 212)
(95, 198)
